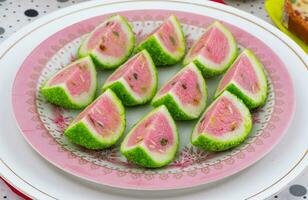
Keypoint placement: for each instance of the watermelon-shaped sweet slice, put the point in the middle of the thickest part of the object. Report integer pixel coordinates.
(184, 95)
(226, 123)
(110, 44)
(100, 125)
(214, 52)
(135, 82)
(246, 79)
(166, 44)
(74, 86)
(153, 141)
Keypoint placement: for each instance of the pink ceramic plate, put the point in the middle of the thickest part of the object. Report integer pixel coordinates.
(42, 124)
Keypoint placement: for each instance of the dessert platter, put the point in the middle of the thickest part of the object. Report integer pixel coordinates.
(121, 99)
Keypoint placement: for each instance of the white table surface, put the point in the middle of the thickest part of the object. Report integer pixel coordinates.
(15, 14)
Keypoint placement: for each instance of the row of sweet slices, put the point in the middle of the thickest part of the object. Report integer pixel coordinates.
(153, 141)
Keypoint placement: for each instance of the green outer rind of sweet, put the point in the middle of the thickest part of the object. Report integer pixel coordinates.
(160, 56)
(175, 110)
(80, 134)
(140, 156)
(208, 72)
(209, 143)
(234, 89)
(250, 103)
(58, 96)
(100, 64)
(126, 97)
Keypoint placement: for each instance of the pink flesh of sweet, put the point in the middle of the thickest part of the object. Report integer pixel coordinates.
(186, 87)
(222, 118)
(168, 36)
(110, 40)
(103, 115)
(213, 45)
(76, 77)
(121, 70)
(200, 43)
(155, 132)
(137, 74)
(244, 74)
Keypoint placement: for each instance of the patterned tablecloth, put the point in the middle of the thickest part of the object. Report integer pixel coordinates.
(15, 14)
